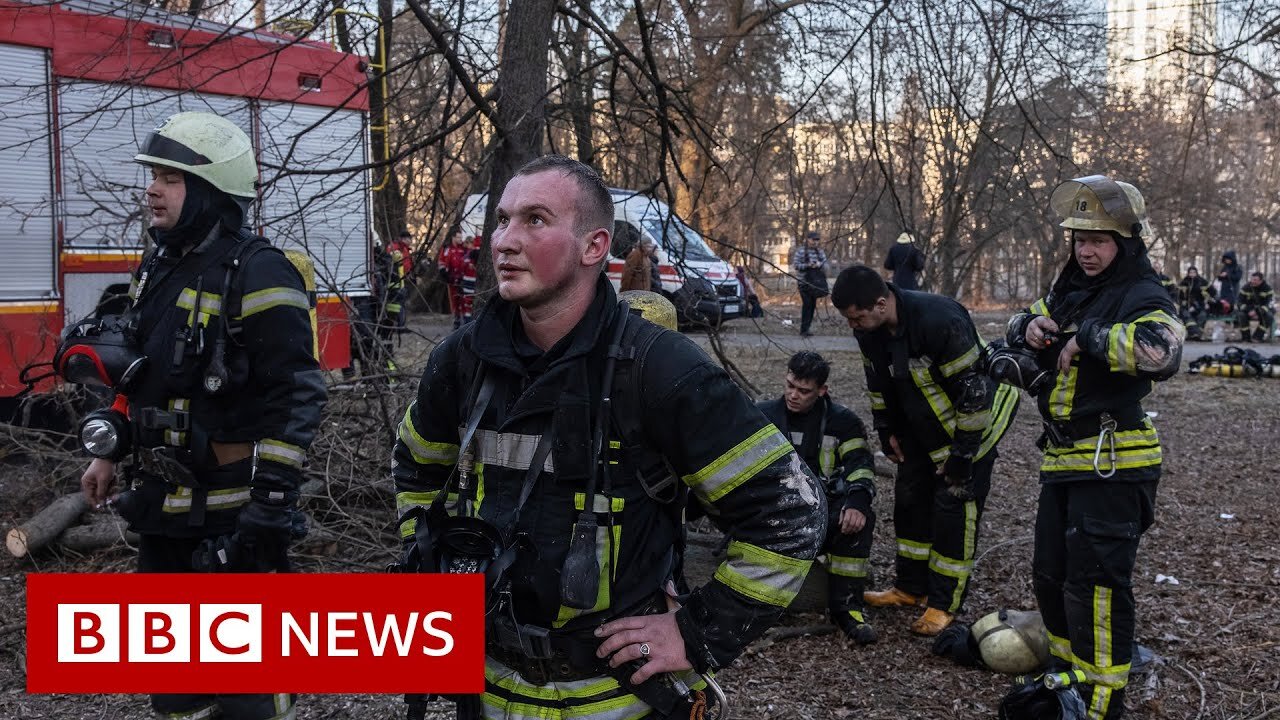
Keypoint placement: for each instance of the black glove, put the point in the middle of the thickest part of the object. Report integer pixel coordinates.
(260, 542)
(957, 472)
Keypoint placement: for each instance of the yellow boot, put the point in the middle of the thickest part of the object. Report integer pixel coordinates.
(932, 622)
(892, 597)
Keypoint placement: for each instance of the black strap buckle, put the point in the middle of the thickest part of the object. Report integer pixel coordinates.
(152, 418)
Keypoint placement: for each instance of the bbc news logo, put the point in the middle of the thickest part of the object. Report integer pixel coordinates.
(417, 633)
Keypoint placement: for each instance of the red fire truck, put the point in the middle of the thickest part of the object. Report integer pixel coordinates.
(82, 82)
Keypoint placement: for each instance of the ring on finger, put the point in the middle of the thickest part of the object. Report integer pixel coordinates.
(644, 649)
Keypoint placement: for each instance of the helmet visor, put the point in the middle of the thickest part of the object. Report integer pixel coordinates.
(166, 148)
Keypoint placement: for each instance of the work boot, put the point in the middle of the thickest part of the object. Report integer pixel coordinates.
(932, 622)
(855, 627)
(892, 597)
(1259, 335)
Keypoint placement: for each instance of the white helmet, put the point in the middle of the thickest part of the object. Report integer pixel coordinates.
(1097, 202)
(206, 145)
(1012, 641)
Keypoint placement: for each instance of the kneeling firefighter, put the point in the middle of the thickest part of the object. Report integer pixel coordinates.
(1091, 350)
(218, 392)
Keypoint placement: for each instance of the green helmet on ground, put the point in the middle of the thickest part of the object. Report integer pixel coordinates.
(652, 307)
(1099, 203)
(206, 145)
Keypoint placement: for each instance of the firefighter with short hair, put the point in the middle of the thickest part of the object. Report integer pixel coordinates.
(229, 398)
(832, 441)
(582, 501)
(1107, 330)
(939, 417)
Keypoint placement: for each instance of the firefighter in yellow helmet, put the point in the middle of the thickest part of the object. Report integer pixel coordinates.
(1106, 330)
(221, 415)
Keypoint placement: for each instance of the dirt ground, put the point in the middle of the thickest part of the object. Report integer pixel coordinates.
(1212, 625)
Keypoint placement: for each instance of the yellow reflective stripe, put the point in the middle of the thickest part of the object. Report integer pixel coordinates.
(204, 712)
(1099, 702)
(601, 503)
(1114, 676)
(495, 673)
(739, 464)
(133, 287)
(973, 422)
(1101, 626)
(256, 302)
(762, 574)
(281, 452)
(1063, 395)
(849, 446)
(1039, 308)
(940, 454)
(877, 401)
(180, 500)
(913, 550)
(936, 397)
(848, 566)
(857, 616)
(625, 707)
(959, 569)
(602, 540)
(173, 437)
(424, 452)
(1059, 647)
(1134, 449)
(1002, 409)
(861, 474)
(210, 303)
(960, 364)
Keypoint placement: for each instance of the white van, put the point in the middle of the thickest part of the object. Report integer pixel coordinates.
(702, 286)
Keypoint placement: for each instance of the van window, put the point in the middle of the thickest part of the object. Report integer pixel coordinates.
(625, 237)
(679, 239)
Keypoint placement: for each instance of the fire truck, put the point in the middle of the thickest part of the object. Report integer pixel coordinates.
(82, 83)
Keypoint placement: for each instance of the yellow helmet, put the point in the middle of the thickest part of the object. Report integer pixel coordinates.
(206, 145)
(1012, 641)
(1097, 202)
(652, 307)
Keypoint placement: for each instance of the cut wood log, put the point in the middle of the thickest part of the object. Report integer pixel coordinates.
(97, 535)
(46, 525)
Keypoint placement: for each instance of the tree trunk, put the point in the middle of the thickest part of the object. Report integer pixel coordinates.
(97, 535)
(521, 116)
(46, 524)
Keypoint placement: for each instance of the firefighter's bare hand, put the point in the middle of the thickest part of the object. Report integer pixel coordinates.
(1068, 354)
(97, 481)
(625, 638)
(1036, 330)
(851, 521)
(897, 455)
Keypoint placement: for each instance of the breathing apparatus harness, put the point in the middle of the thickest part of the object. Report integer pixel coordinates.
(463, 543)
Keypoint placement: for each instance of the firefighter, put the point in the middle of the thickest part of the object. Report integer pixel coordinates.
(1107, 330)
(1166, 282)
(939, 417)
(577, 496)
(1253, 311)
(230, 396)
(832, 441)
(1195, 293)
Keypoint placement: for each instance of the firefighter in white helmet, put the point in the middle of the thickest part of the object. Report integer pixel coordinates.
(230, 398)
(1106, 330)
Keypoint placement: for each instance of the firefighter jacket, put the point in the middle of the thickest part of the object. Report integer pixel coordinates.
(1195, 292)
(1169, 286)
(689, 420)
(927, 385)
(832, 441)
(1254, 298)
(452, 263)
(1129, 338)
(194, 312)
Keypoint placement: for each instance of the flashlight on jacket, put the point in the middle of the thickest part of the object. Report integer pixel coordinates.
(106, 433)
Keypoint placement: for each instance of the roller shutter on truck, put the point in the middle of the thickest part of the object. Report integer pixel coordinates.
(26, 176)
(326, 215)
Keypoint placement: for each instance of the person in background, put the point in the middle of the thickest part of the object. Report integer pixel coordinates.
(809, 264)
(637, 272)
(452, 264)
(1229, 276)
(905, 261)
(1195, 294)
(1253, 311)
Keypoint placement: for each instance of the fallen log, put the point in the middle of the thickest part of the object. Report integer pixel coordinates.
(97, 535)
(46, 525)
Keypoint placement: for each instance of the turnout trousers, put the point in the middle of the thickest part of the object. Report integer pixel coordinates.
(161, 554)
(848, 565)
(937, 530)
(1086, 544)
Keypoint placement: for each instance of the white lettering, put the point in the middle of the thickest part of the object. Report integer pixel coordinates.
(335, 632)
(446, 637)
(310, 641)
(390, 626)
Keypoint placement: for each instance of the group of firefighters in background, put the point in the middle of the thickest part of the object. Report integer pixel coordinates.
(1199, 298)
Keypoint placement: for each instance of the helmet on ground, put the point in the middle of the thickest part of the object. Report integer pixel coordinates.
(1099, 203)
(1012, 641)
(206, 145)
(652, 307)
